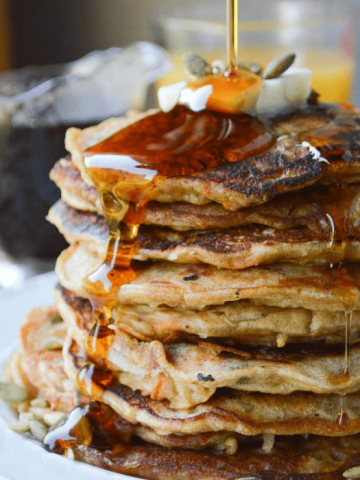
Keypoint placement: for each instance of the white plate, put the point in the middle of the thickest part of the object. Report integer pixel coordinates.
(22, 458)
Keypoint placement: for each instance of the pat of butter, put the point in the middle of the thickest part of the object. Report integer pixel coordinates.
(197, 99)
(291, 89)
(169, 95)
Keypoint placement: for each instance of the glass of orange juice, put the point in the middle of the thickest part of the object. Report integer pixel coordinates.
(321, 33)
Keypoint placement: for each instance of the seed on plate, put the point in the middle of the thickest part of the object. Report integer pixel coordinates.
(39, 402)
(23, 406)
(39, 412)
(19, 427)
(251, 67)
(52, 343)
(352, 473)
(38, 430)
(196, 65)
(278, 66)
(12, 393)
(53, 417)
(26, 417)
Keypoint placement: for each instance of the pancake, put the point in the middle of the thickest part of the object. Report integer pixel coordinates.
(285, 167)
(235, 323)
(41, 338)
(311, 459)
(235, 248)
(50, 382)
(229, 410)
(223, 441)
(309, 208)
(188, 374)
(198, 286)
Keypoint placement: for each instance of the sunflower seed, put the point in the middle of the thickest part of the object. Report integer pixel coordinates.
(268, 442)
(19, 427)
(352, 473)
(278, 66)
(69, 453)
(52, 343)
(196, 65)
(26, 417)
(12, 393)
(251, 67)
(53, 417)
(23, 406)
(39, 412)
(38, 430)
(40, 403)
(248, 478)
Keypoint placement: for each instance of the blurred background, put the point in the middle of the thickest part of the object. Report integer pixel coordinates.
(322, 32)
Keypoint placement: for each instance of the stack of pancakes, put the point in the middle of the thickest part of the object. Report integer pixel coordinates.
(243, 321)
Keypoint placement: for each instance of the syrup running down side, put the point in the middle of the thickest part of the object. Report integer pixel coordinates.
(125, 168)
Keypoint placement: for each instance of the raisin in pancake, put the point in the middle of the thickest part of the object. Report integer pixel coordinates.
(236, 248)
(197, 286)
(235, 323)
(309, 208)
(286, 166)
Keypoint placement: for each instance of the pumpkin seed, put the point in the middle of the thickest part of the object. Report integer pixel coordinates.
(278, 66)
(196, 65)
(12, 393)
(55, 319)
(52, 343)
(352, 473)
(251, 67)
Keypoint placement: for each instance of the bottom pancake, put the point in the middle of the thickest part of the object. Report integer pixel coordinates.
(299, 457)
(292, 458)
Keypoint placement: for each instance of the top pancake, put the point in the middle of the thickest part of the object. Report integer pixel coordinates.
(286, 166)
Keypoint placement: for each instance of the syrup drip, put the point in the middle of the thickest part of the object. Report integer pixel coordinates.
(339, 138)
(343, 419)
(340, 285)
(232, 34)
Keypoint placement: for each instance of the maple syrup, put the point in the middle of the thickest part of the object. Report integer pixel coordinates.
(232, 17)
